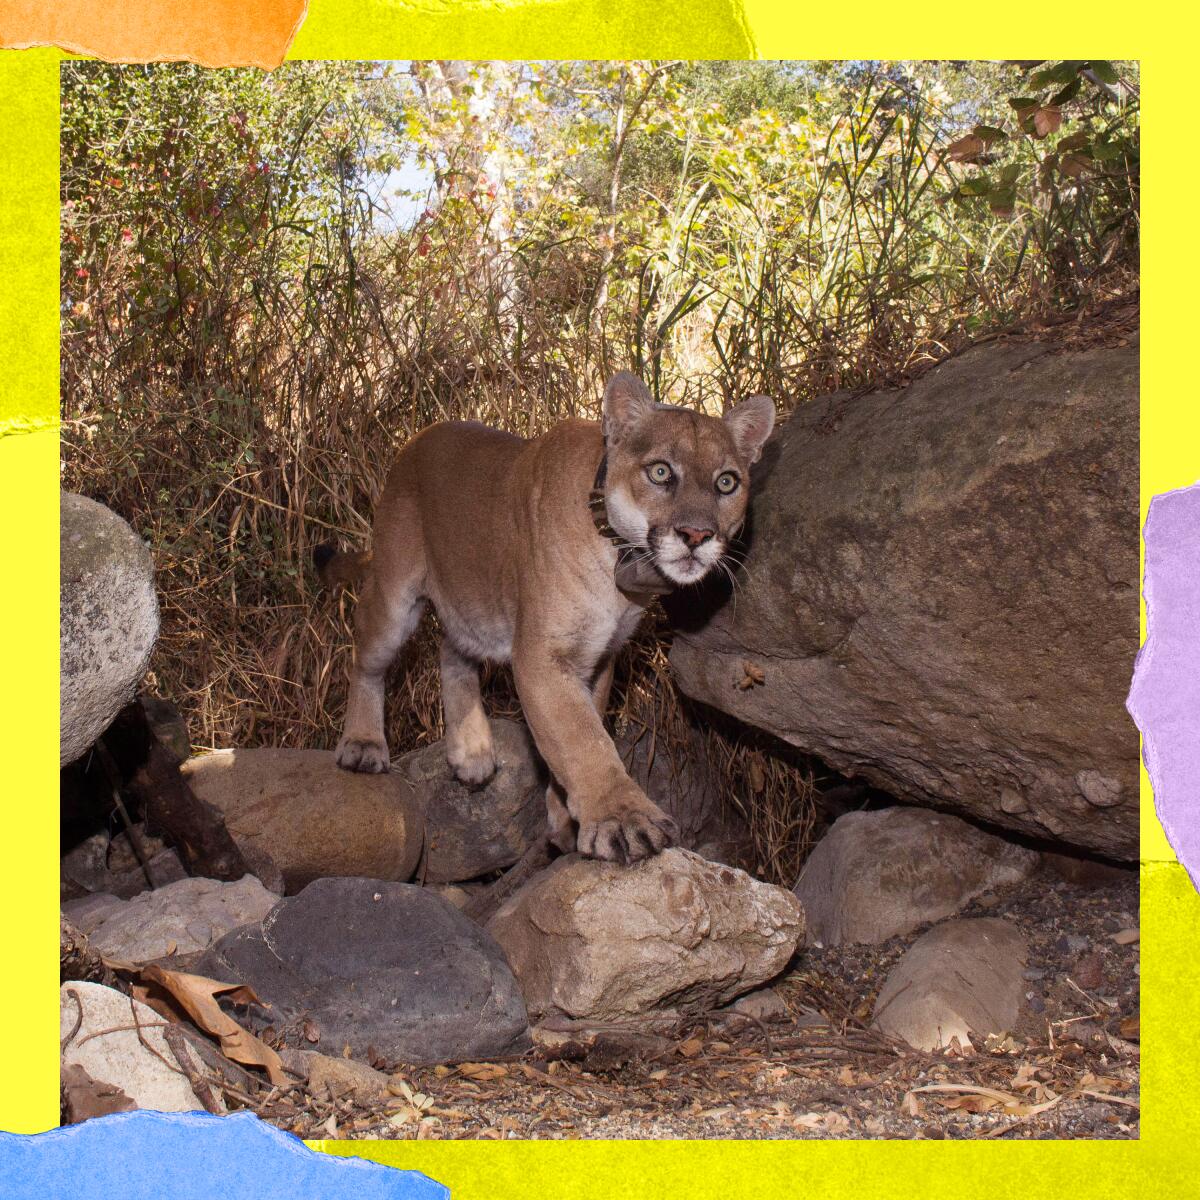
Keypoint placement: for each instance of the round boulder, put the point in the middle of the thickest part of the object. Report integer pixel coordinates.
(472, 831)
(299, 811)
(386, 968)
(673, 933)
(108, 620)
(878, 874)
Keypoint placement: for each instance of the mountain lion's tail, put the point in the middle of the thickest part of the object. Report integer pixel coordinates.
(337, 568)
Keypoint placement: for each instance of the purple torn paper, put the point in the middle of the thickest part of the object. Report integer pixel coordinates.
(1164, 700)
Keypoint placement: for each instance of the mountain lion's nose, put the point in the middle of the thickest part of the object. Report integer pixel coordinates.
(693, 537)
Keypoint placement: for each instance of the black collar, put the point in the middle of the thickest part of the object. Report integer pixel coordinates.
(600, 510)
(633, 574)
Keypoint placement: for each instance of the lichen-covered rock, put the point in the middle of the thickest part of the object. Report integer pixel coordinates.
(940, 592)
(389, 969)
(472, 831)
(960, 980)
(108, 620)
(308, 818)
(674, 932)
(878, 874)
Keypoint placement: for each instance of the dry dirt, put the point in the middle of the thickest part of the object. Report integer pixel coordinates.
(1069, 1071)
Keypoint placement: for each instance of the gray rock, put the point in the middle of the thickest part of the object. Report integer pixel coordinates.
(108, 620)
(941, 590)
(307, 818)
(472, 831)
(877, 874)
(122, 856)
(764, 1005)
(180, 919)
(87, 912)
(961, 979)
(116, 1054)
(599, 940)
(376, 964)
(673, 771)
(85, 870)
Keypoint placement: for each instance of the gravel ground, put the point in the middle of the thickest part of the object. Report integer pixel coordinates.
(1070, 1069)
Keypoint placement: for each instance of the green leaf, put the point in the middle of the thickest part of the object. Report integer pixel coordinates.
(1104, 72)
(989, 134)
(1068, 93)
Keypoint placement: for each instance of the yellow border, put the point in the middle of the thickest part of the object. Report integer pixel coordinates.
(601, 28)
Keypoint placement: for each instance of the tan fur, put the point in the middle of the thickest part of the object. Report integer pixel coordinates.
(496, 533)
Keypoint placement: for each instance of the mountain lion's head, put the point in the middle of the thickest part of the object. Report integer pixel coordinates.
(677, 482)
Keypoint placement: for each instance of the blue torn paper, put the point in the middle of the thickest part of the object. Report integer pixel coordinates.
(190, 1156)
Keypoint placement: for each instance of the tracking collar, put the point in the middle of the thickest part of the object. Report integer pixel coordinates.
(600, 510)
(633, 574)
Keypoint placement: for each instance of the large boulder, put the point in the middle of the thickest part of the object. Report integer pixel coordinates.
(119, 1041)
(108, 620)
(180, 919)
(673, 933)
(962, 978)
(389, 969)
(940, 594)
(878, 874)
(472, 831)
(296, 811)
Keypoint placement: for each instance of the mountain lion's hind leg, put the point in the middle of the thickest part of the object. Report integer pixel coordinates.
(469, 747)
(383, 621)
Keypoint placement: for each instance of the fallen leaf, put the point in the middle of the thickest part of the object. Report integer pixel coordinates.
(310, 1030)
(691, 1047)
(752, 676)
(87, 1097)
(197, 996)
(483, 1071)
(1131, 1029)
(1126, 937)
(330, 1127)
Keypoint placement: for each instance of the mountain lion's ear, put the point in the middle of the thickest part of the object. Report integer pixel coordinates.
(626, 401)
(751, 423)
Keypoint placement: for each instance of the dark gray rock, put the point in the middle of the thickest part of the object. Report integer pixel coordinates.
(472, 831)
(941, 592)
(108, 620)
(387, 966)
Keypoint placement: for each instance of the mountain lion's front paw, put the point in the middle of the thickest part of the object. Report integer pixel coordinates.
(472, 769)
(626, 827)
(362, 754)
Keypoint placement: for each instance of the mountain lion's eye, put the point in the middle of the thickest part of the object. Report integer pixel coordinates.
(727, 482)
(659, 473)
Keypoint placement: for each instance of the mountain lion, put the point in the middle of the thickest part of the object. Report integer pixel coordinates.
(545, 553)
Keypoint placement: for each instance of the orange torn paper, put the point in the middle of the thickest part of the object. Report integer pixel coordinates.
(216, 33)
